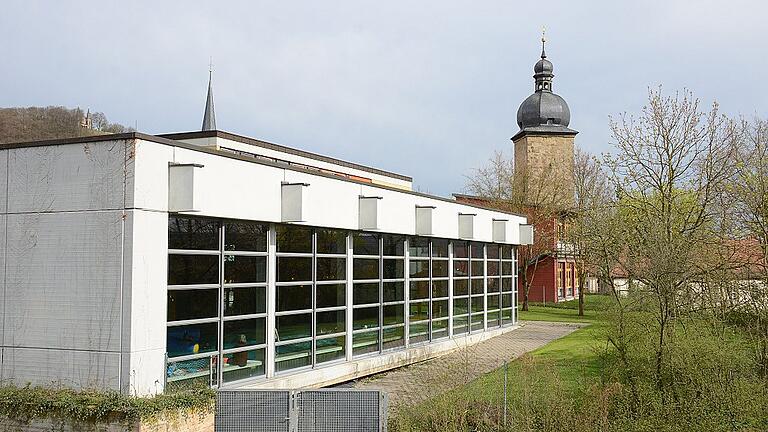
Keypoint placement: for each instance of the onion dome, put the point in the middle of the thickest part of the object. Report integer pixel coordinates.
(543, 109)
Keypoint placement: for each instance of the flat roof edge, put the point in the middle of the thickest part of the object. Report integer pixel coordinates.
(279, 147)
(87, 139)
(170, 142)
(479, 198)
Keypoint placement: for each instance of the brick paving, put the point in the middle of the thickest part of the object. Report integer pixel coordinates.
(415, 383)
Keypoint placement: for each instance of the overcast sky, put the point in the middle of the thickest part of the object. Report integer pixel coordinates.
(424, 88)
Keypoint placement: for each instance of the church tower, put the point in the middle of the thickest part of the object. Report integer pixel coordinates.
(544, 144)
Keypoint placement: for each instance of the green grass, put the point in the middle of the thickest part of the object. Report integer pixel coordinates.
(574, 357)
(542, 313)
(597, 302)
(594, 310)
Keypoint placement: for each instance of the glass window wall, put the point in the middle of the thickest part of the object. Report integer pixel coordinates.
(460, 287)
(477, 284)
(217, 277)
(217, 294)
(310, 324)
(508, 284)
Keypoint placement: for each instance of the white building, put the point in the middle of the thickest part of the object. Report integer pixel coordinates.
(134, 262)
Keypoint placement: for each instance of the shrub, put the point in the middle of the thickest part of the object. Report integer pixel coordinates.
(28, 403)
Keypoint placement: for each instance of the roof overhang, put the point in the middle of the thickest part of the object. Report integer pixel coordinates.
(544, 130)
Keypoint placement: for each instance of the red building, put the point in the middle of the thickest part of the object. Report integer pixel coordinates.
(551, 272)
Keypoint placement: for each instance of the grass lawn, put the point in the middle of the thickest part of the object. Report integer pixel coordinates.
(546, 313)
(594, 310)
(574, 357)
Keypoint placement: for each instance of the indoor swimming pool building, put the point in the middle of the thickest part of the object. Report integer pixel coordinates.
(141, 262)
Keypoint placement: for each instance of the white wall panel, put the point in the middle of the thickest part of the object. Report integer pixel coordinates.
(64, 280)
(233, 188)
(329, 202)
(150, 176)
(85, 176)
(3, 180)
(237, 189)
(78, 369)
(143, 372)
(145, 280)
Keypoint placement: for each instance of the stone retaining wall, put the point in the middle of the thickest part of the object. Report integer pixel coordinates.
(182, 423)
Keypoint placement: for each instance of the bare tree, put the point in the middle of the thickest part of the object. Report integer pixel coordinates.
(540, 198)
(670, 165)
(747, 197)
(592, 199)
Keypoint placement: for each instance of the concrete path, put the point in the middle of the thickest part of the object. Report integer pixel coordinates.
(415, 383)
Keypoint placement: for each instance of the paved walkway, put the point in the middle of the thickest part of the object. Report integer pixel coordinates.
(412, 384)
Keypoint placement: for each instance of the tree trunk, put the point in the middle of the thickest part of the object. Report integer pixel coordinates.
(581, 280)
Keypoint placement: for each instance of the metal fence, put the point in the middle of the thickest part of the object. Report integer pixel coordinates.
(325, 410)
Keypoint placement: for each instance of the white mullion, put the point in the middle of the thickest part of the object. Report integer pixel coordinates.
(244, 348)
(188, 357)
(244, 317)
(348, 301)
(245, 253)
(192, 287)
(381, 292)
(406, 291)
(514, 285)
(269, 357)
(313, 302)
(193, 252)
(485, 287)
(219, 355)
(180, 323)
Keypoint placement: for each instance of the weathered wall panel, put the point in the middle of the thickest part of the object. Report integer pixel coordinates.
(2, 282)
(3, 180)
(63, 280)
(77, 369)
(85, 176)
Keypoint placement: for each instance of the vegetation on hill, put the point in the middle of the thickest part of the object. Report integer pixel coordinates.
(41, 123)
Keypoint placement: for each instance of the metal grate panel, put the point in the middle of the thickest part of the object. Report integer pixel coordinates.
(253, 411)
(327, 410)
(340, 411)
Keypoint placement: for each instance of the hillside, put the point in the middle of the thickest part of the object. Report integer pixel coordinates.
(40, 123)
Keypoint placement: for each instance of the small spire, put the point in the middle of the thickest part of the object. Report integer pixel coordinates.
(209, 116)
(543, 40)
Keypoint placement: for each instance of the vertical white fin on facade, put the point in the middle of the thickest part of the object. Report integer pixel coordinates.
(182, 193)
(293, 200)
(369, 212)
(499, 229)
(424, 220)
(467, 225)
